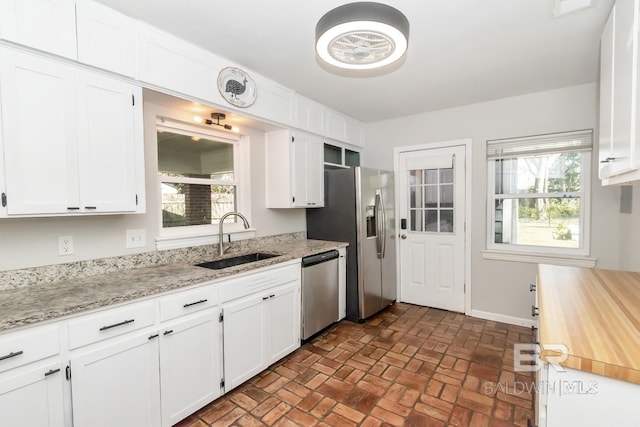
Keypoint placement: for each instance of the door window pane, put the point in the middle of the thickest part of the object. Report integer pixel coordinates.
(437, 188)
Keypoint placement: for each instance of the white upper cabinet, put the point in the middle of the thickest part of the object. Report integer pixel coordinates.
(48, 25)
(310, 115)
(105, 38)
(619, 136)
(109, 125)
(40, 134)
(294, 170)
(72, 139)
(316, 118)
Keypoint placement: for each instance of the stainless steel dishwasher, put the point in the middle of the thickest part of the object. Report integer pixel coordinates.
(319, 292)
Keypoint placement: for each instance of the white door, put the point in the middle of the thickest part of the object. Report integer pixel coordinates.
(284, 321)
(431, 187)
(40, 134)
(117, 385)
(33, 398)
(244, 333)
(108, 113)
(189, 365)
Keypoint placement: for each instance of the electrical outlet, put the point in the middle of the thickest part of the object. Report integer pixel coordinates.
(137, 238)
(65, 245)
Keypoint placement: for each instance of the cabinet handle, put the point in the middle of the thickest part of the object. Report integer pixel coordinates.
(124, 322)
(265, 298)
(311, 204)
(12, 354)
(534, 311)
(608, 159)
(272, 295)
(154, 336)
(73, 208)
(532, 287)
(51, 372)
(194, 303)
(90, 207)
(168, 332)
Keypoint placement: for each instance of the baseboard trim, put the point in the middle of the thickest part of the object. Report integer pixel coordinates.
(504, 319)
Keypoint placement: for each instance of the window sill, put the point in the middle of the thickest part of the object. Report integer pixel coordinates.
(176, 242)
(572, 261)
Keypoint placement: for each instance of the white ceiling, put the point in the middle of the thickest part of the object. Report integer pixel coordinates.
(460, 51)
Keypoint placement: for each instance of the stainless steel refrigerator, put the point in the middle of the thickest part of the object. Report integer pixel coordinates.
(359, 209)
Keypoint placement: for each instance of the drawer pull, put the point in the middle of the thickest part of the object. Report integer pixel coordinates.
(532, 287)
(170, 331)
(154, 336)
(194, 303)
(115, 325)
(272, 295)
(12, 354)
(534, 311)
(73, 208)
(91, 207)
(51, 372)
(265, 298)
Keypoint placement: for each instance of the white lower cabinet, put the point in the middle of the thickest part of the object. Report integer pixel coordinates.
(189, 365)
(33, 397)
(262, 327)
(118, 384)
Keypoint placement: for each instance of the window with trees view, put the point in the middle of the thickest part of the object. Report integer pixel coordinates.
(197, 177)
(539, 193)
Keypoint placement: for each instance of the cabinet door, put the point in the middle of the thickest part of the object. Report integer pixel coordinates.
(40, 134)
(189, 365)
(283, 321)
(105, 38)
(606, 95)
(342, 284)
(117, 385)
(48, 25)
(245, 343)
(315, 173)
(33, 398)
(622, 86)
(108, 113)
(299, 170)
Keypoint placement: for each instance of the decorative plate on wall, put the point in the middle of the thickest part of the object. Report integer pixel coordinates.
(237, 87)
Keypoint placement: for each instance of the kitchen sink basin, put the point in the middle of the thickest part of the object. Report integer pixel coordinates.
(238, 260)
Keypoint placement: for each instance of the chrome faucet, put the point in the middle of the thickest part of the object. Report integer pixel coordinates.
(220, 224)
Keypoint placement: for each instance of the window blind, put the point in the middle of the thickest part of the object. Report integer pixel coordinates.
(581, 140)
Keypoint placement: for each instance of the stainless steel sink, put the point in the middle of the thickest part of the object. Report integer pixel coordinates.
(238, 260)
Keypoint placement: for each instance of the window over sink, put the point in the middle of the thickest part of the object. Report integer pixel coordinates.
(198, 178)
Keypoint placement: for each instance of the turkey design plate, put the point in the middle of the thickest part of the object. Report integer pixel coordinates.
(237, 87)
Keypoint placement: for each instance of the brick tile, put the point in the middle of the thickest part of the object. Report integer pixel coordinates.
(387, 417)
(217, 411)
(503, 411)
(229, 418)
(394, 407)
(460, 417)
(475, 401)
(371, 422)
(348, 413)
(361, 400)
(416, 419)
(265, 407)
(450, 393)
(274, 414)
(322, 408)
(289, 397)
(310, 401)
(297, 389)
(247, 420)
(479, 420)
(301, 418)
(243, 401)
(336, 420)
(316, 381)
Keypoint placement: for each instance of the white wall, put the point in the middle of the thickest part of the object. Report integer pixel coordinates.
(501, 287)
(31, 242)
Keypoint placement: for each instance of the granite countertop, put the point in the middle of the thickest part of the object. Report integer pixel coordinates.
(32, 304)
(594, 313)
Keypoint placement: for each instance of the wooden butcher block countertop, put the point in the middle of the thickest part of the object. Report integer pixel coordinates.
(596, 314)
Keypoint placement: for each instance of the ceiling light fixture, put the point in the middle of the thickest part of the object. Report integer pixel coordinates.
(217, 117)
(362, 35)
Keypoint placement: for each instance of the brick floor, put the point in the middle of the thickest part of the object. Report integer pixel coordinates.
(407, 366)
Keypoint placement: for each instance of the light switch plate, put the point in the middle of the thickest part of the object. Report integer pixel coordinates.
(136, 238)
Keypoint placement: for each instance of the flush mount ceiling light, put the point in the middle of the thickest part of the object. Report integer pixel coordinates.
(362, 36)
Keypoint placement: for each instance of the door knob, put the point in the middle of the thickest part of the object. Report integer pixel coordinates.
(403, 236)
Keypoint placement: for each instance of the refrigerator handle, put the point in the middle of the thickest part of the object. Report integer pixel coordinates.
(378, 228)
(384, 225)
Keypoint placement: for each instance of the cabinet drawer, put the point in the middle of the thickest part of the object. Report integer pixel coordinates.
(110, 323)
(29, 345)
(257, 282)
(186, 302)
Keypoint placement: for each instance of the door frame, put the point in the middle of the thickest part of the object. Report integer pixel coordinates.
(467, 144)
